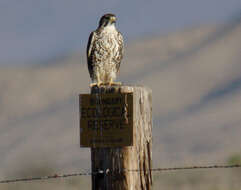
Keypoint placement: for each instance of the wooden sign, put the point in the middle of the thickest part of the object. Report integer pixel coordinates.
(106, 120)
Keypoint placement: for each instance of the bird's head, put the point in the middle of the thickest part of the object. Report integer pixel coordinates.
(107, 20)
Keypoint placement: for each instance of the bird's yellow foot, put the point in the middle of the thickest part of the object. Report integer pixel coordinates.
(98, 84)
(115, 83)
(93, 84)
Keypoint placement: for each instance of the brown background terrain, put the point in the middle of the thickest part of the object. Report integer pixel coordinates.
(196, 81)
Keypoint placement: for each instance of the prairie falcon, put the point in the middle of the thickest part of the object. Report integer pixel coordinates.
(104, 52)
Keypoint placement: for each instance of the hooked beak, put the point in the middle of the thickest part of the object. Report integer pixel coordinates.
(113, 19)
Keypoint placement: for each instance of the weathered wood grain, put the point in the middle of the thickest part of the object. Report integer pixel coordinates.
(136, 157)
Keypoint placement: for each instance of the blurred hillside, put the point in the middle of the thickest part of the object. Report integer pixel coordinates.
(196, 82)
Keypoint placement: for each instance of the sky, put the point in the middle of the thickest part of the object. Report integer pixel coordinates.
(35, 31)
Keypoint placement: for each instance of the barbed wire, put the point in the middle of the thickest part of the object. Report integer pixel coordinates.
(107, 172)
(193, 167)
(47, 177)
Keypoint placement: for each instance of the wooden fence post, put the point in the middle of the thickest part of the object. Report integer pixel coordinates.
(136, 157)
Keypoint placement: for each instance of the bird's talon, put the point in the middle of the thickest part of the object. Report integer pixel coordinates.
(115, 83)
(93, 84)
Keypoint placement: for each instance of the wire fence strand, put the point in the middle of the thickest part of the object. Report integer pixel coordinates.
(47, 177)
(107, 172)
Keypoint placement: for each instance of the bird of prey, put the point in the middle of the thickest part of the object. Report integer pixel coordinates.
(105, 52)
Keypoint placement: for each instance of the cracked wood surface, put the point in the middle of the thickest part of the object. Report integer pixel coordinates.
(138, 156)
